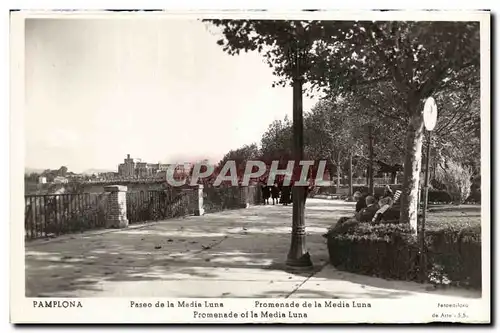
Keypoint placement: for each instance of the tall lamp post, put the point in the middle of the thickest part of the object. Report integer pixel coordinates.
(430, 119)
(298, 257)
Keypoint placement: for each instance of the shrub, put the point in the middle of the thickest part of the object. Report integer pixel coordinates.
(391, 251)
(439, 196)
(457, 179)
(475, 196)
(454, 255)
(388, 251)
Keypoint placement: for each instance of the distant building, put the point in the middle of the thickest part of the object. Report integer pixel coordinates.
(154, 167)
(60, 180)
(135, 168)
(161, 175)
(184, 168)
(76, 177)
(127, 169)
(108, 175)
(163, 167)
(143, 170)
(42, 180)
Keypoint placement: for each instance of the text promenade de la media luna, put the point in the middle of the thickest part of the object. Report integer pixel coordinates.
(267, 310)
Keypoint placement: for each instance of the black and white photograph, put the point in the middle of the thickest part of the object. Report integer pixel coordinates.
(250, 167)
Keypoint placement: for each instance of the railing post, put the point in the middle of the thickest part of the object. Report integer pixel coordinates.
(199, 211)
(244, 197)
(116, 216)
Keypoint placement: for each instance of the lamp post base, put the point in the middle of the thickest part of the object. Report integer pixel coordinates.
(301, 263)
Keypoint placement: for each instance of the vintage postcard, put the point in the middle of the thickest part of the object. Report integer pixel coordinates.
(250, 167)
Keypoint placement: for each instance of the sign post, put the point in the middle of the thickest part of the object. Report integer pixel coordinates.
(430, 119)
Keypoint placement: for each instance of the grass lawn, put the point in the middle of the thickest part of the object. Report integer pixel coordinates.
(457, 216)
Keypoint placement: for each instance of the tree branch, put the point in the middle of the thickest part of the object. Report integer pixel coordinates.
(362, 84)
(370, 104)
(435, 82)
(397, 76)
(461, 112)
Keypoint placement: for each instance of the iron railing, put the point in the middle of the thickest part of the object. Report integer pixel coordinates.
(57, 214)
(216, 199)
(158, 205)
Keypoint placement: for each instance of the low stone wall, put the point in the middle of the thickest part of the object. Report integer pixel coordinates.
(117, 207)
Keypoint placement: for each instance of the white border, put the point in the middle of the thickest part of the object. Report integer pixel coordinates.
(114, 310)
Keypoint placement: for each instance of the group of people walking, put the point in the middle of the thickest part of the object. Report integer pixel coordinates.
(279, 194)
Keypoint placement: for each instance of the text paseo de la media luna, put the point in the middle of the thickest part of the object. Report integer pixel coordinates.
(257, 304)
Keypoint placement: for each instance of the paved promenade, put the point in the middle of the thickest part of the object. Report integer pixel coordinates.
(237, 253)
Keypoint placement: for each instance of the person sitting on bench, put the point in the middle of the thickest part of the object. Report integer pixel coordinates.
(388, 192)
(385, 204)
(366, 214)
(361, 201)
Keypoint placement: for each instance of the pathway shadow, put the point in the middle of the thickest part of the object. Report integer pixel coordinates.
(244, 245)
(195, 247)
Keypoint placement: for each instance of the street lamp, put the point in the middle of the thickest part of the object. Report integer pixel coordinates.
(298, 257)
(430, 119)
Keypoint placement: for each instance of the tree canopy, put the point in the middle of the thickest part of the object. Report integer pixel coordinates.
(385, 71)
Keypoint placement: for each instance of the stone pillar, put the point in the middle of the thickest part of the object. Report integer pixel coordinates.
(199, 211)
(244, 191)
(116, 216)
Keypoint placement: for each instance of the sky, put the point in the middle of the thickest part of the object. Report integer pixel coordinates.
(158, 89)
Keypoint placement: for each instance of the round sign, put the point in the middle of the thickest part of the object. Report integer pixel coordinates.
(430, 114)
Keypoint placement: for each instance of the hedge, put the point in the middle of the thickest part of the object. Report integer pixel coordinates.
(454, 255)
(474, 197)
(391, 251)
(440, 196)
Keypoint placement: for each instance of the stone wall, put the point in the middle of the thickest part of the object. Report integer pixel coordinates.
(110, 205)
(116, 215)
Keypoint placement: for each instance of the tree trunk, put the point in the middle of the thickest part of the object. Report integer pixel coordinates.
(368, 175)
(338, 173)
(370, 147)
(350, 175)
(331, 172)
(298, 255)
(434, 168)
(394, 177)
(412, 165)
